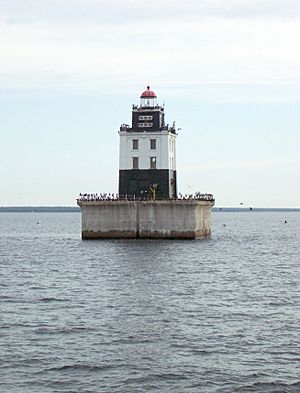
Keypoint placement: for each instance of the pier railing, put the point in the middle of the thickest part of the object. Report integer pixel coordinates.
(197, 196)
(127, 128)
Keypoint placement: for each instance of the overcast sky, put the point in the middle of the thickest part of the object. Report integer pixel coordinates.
(227, 71)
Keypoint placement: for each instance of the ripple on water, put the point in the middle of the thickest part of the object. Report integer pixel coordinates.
(217, 315)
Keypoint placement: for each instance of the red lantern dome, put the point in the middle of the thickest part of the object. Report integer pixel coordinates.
(148, 93)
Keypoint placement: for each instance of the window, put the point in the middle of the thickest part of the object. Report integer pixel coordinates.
(152, 162)
(145, 117)
(152, 144)
(135, 163)
(145, 125)
(135, 144)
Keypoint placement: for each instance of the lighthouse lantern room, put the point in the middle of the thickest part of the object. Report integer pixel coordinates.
(147, 165)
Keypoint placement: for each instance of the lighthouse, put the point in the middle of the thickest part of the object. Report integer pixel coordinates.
(146, 205)
(147, 157)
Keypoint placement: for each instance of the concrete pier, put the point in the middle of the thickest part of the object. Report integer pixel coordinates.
(161, 219)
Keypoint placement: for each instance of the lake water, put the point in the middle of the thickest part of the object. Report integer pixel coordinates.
(213, 315)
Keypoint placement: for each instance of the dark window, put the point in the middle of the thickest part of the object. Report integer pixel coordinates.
(135, 163)
(152, 162)
(152, 144)
(135, 144)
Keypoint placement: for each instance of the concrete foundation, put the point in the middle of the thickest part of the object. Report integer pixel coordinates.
(167, 219)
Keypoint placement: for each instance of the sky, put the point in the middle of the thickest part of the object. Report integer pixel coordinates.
(228, 72)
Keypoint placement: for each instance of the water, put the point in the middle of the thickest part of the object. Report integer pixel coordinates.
(216, 315)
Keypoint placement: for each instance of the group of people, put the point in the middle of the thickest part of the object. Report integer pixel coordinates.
(116, 197)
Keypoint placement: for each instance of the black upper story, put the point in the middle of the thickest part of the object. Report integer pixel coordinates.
(147, 119)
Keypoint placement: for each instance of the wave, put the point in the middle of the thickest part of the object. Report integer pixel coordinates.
(52, 299)
(271, 387)
(80, 367)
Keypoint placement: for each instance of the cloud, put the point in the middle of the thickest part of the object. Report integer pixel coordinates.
(124, 11)
(91, 44)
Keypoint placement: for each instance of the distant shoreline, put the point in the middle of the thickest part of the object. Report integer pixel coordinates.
(75, 209)
(39, 209)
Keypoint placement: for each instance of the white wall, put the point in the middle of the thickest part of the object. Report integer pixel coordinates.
(165, 151)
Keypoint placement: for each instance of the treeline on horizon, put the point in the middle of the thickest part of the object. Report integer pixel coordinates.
(75, 209)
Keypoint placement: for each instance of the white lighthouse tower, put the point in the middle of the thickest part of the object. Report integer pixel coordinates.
(147, 158)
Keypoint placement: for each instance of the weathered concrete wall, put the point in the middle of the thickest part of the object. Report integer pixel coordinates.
(179, 219)
(108, 219)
